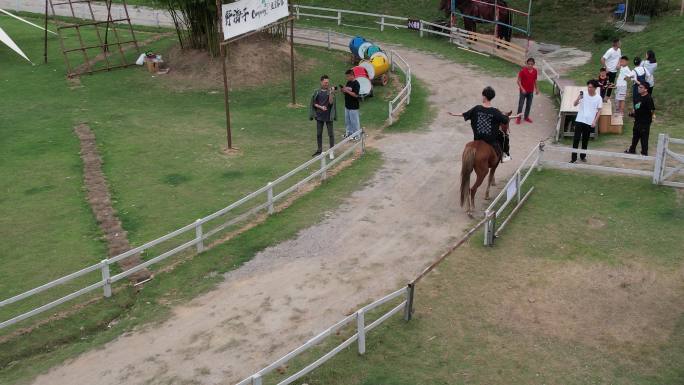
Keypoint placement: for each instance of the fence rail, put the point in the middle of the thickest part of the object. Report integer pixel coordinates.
(196, 229)
(471, 41)
(360, 337)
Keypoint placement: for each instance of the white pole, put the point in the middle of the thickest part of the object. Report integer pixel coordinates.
(199, 235)
(361, 331)
(269, 196)
(105, 278)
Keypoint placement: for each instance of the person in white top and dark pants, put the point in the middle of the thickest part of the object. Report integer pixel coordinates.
(610, 61)
(651, 65)
(587, 117)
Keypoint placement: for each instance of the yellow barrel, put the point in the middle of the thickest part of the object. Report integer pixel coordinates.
(381, 64)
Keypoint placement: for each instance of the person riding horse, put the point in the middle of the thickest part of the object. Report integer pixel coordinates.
(486, 122)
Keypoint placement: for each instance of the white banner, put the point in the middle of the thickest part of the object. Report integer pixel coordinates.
(250, 15)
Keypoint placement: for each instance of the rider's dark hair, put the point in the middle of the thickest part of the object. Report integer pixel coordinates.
(324, 77)
(650, 56)
(349, 72)
(530, 60)
(637, 61)
(594, 83)
(489, 93)
(625, 58)
(616, 40)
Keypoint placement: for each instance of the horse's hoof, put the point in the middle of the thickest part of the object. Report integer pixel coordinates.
(487, 198)
(470, 215)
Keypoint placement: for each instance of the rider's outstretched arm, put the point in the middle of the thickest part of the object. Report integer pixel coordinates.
(460, 114)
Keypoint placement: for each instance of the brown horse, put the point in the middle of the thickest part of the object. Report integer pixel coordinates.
(481, 12)
(480, 156)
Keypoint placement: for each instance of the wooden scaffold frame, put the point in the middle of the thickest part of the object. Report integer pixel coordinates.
(102, 45)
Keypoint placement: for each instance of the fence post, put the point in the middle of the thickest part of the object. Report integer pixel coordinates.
(490, 227)
(361, 331)
(540, 157)
(105, 278)
(363, 142)
(324, 171)
(392, 61)
(517, 185)
(297, 8)
(199, 235)
(390, 114)
(269, 195)
(256, 380)
(329, 41)
(339, 17)
(382, 23)
(420, 28)
(408, 309)
(410, 87)
(660, 159)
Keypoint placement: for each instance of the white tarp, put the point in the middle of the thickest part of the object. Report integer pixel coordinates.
(10, 43)
(250, 15)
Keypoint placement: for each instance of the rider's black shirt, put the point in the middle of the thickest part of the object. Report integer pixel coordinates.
(485, 122)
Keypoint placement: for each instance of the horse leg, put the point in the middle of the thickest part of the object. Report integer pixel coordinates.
(480, 178)
(491, 181)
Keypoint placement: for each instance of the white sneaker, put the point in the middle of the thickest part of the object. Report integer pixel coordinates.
(332, 156)
(506, 158)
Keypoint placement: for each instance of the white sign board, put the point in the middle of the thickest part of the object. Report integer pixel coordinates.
(250, 15)
(512, 190)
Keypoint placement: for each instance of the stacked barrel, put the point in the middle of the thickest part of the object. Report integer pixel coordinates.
(373, 64)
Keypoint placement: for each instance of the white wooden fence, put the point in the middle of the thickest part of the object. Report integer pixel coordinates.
(360, 337)
(333, 39)
(264, 198)
(471, 41)
(665, 168)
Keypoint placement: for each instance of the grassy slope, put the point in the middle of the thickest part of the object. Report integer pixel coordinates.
(457, 335)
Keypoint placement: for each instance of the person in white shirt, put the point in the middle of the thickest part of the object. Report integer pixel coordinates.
(610, 61)
(587, 117)
(651, 65)
(639, 76)
(621, 85)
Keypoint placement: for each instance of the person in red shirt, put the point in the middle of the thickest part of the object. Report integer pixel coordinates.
(527, 83)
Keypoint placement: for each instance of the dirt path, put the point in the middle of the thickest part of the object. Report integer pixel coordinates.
(384, 234)
(100, 202)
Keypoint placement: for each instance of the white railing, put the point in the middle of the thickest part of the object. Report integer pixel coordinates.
(655, 167)
(404, 96)
(460, 37)
(197, 229)
(396, 61)
(360, 336)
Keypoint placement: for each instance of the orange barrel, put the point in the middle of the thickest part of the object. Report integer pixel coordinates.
(371, 51)
(362, 49)
(360, 72)
(381, 64)
(369, 68)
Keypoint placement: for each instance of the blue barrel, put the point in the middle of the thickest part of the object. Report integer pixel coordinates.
(355, 43)
(371, 51)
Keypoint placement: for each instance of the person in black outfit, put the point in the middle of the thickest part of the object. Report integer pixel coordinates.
(643, 116)
(322, 109)
(352, 119)
(486, 120)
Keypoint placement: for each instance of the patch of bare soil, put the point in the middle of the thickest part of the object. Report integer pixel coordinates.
(252, 62)
(101, 203)
(595, 304)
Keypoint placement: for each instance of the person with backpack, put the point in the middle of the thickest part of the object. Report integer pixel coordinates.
(639, 75)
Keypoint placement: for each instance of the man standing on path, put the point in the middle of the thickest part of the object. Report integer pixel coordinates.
(610, 60)
(352, 120)
(322, 109)
(486, 120)
(527, 84)
(643, 116)
(587, 117)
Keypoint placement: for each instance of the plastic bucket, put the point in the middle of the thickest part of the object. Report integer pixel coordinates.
(365, 86)
(355, 43)
(360, 72)
(380, 64)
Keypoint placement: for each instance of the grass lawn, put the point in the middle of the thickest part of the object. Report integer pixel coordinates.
(594, 298)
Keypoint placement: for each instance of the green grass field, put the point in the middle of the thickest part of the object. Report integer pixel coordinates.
(594, 298)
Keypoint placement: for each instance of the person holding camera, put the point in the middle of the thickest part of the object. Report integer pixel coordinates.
(587, 117)
(322, 109)
(352, 119)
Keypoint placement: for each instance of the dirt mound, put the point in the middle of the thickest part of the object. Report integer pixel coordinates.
(254, 61)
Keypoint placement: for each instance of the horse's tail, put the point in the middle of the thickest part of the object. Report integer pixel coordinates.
(467, 166)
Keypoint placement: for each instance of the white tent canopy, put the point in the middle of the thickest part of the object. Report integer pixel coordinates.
(4, 37)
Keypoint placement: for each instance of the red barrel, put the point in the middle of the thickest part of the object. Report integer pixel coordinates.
(360, 72)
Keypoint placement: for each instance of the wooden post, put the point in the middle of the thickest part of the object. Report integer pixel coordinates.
(45, 37)
(681, 10)
(361, 331)
(226, 100)
(292, 63)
